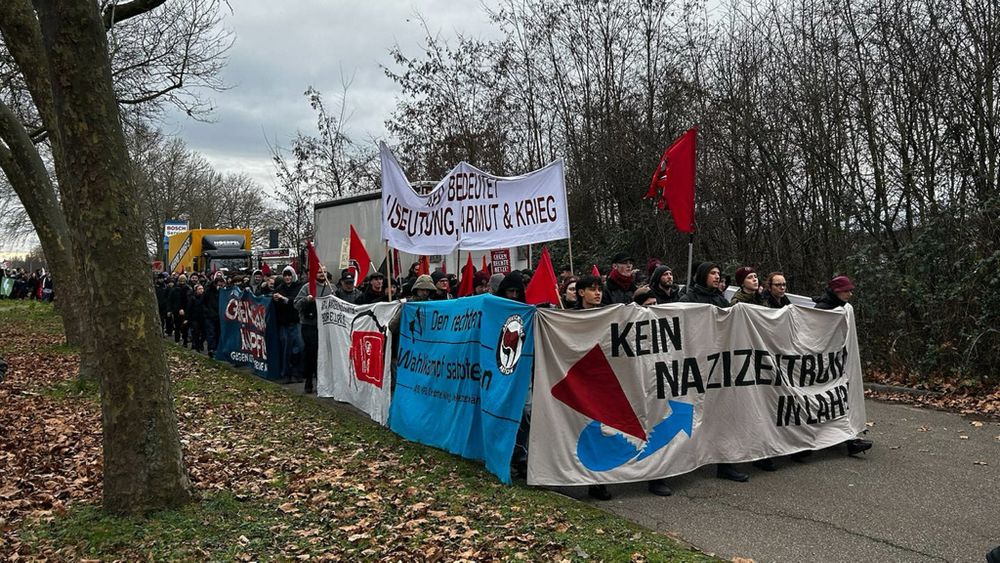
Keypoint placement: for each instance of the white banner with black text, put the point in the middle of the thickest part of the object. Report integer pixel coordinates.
(627, 393)
(473, 210)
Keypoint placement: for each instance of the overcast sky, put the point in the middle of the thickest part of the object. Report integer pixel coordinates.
(284, 47)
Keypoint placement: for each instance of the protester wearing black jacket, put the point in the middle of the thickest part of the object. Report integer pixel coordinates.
(195, 314)
(289, 335)
(663, 286)
(211, 299)
(704, 287)
(176, 302)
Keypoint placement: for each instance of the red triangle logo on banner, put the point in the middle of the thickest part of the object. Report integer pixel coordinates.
(591, 388)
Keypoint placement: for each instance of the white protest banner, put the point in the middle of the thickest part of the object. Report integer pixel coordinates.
(355, 347)
(627, 393)
(472, 210)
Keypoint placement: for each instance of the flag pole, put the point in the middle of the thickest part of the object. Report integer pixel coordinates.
(690, 259)
(388, 262)
(569, 228)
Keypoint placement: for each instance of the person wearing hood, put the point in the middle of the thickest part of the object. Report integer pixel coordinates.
(480, 283)
(747, 285)
(290, 343)
(256, 279)
(423, 288)
(512, 287)
(443, 286)
(661, 282)
(346, 290)
(705, 287)
(375, 291)
(305, 303)
(774, 291)
(495, 280)
(621, 281)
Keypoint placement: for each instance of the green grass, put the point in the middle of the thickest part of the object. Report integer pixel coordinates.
(265, 456)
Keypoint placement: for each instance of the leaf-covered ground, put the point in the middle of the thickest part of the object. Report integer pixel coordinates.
(279, 477)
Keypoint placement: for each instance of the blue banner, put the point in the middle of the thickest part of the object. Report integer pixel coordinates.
(248, 332)
(462, 376)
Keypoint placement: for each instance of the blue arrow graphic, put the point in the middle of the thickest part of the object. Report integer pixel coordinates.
(598, 452)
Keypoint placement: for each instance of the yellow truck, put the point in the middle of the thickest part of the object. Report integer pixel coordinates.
(208, 250)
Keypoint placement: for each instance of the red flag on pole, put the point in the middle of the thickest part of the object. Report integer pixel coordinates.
(543, 287)
(673, 181)
(465, 285)
(595, 271)
(314, 266)
(358, 256)
(424, 266)
(484, 267)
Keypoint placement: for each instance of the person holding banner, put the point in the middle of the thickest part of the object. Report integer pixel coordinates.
(589, 295)
(663, 286)
(305, 303)
(747, 285)
(621, 280)
(705, 289)
(374, 291)
(774, 294)
(346, 290)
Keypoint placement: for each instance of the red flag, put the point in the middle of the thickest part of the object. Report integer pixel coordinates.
(358, 256)
(594, 271)
(314, 266)
(424, 266)
(543, 287)
(673, 181)
(484, 267)
(465, 286)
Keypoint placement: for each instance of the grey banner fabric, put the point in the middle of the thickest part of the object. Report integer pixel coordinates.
(627, 393)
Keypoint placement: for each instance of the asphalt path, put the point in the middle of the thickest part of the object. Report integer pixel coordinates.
(928, 491)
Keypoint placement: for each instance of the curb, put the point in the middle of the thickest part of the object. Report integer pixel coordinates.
(879, 388)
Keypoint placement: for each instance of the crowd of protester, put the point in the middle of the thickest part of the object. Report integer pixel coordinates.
(189, 311)
(20, 284)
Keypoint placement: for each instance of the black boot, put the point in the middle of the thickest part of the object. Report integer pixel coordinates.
(801, 456)
(727, 471)
(598, 492)
(858, 445)
(765, 464)
(659, 488)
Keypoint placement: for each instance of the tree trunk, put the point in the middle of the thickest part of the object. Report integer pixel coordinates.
(143, 463)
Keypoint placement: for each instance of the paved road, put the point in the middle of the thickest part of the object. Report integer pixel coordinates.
(919, 495)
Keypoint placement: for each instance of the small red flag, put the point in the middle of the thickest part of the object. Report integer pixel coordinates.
(543, 287)
(484, 267)
(673, 181)
(465, 286)
(424, 266)
(314, 267)
(594, 271)
(358, 255)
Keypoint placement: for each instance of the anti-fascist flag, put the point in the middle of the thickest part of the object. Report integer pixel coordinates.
(673, 181)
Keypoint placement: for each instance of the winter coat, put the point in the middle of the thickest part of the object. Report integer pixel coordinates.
(828, 301)
(369, 297)
(743, 296)
(614, 293)
(307, 309)
(663, 294)
(161, 299)
(285, 311)
(700, 293)
(195, 310)
(177, 298)
(211, 300)
(773, 303)
(350, 296)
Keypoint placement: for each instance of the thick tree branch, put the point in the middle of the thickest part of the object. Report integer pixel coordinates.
(115, 12)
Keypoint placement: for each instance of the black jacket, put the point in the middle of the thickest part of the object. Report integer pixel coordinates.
(195, 310)
(614, 293)
(211, 300)
(177, 298)
(828, 301)
(699, 292)
(663, 294)
(773, 303)
(285, 311)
